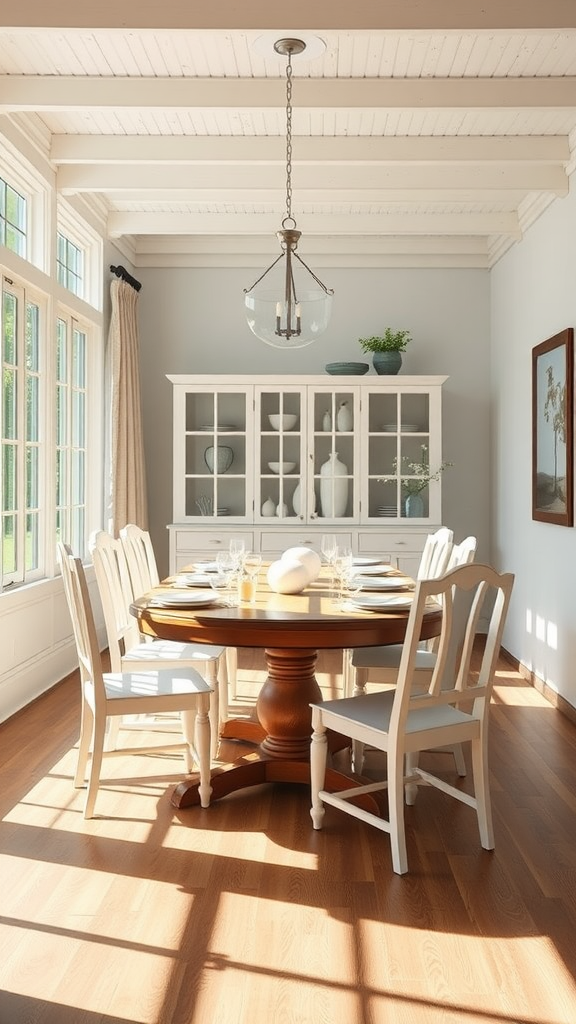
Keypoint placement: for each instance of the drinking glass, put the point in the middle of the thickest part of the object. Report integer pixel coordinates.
(251, 563)
(237, 549)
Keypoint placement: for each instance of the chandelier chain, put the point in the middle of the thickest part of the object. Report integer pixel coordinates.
(289, 138)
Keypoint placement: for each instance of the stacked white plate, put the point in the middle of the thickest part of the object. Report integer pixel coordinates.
(184, 599)
(221, 426)
(387, 510)
(406, 428)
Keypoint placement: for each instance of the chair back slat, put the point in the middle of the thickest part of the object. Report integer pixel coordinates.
(140, 558)
(83, 625)
(115, 591)
(464, 592)
(434, 558)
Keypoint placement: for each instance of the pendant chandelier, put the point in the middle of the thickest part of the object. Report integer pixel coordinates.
(291, 307)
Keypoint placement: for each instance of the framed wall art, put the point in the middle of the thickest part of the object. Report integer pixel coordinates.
(552, 429)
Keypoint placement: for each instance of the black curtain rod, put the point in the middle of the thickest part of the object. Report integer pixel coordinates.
(123, 273)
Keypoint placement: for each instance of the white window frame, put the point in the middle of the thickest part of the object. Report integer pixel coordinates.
(76, 230)
(19, 174)
(25, 295)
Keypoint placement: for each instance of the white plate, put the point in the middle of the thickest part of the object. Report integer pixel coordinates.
(376, 602)
(406, 428)
(221, 426)
(366, 560)
(206, 566)
(192, 579)
(184, 599)
(374, 569)
(379, 583)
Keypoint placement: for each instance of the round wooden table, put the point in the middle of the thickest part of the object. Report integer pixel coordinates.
(291, 629)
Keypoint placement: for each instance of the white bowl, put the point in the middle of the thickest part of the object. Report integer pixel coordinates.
(286, 422)
(282, 467)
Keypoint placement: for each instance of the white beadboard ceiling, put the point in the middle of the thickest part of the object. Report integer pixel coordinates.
(420, 137)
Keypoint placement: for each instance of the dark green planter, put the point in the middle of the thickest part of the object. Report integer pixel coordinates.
(387, 362)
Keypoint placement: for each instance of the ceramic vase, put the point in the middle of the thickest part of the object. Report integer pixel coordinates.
(268, 508)
(333, 487)
(344, 420)
(221, 457)
(414, 506)
(297, 499)
(327, 422)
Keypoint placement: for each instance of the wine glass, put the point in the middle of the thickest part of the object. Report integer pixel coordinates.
(237, 549)
(343, 571)
(224, 580)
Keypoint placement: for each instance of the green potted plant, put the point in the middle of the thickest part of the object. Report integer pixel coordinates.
(386, 349)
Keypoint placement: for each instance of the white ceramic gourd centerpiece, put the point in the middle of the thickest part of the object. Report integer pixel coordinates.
(287, 576)
(309, 558)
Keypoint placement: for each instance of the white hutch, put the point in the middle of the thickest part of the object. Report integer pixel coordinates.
(281, 462)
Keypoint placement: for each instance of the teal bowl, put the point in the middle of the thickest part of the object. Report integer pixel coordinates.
(349, 369)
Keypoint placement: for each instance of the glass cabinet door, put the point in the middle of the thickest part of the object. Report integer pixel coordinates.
(280, 473)
(334, 448)
(399, 455)
(215, 454)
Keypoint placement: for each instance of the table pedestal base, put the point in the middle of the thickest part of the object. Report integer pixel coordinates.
(283, 729)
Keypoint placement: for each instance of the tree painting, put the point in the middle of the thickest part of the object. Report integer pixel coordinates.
(552, 429)
(555, 414)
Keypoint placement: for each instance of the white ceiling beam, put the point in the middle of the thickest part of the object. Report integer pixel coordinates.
(276, 198)
(338, 245)
(161, 149)
(373, 224)
(117, 178)
(62, 92)
(322, 14)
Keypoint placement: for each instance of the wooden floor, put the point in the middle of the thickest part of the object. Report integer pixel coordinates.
(242, 914)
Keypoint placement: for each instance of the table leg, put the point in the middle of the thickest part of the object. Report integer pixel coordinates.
(284, 712)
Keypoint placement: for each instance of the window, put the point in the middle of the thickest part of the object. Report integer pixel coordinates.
(71, 460)
(21, 515)
(70, 265)
(13, 215)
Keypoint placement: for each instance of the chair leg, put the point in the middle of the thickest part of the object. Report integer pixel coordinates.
(359, 679)
(411, 788)
(211, 673)
(396, 813)
(203, 749)
(482, 793)
(223, 687)
(232, 667)
(98, 734)
(459, 759)
(318, 757)
(357, 757)
(86, 730)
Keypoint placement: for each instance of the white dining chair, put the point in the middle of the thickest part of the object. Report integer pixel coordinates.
(381, 664)
(433, 562)
(129, 650)
(454, 708)
(114, 695)
(143, 570)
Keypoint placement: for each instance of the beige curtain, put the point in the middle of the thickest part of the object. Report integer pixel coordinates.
(128, 474)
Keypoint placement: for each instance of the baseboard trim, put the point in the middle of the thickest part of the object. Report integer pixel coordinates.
(558, 702)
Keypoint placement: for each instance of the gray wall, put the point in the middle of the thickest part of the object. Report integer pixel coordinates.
(192, 321)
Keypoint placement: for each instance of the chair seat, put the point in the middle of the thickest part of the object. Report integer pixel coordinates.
(173, 651)
(155, 684)
(375, 710)
(388, 657)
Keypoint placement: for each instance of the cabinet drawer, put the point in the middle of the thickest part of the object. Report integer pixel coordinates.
(393, 543)
(209, 540)
(273, 542)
